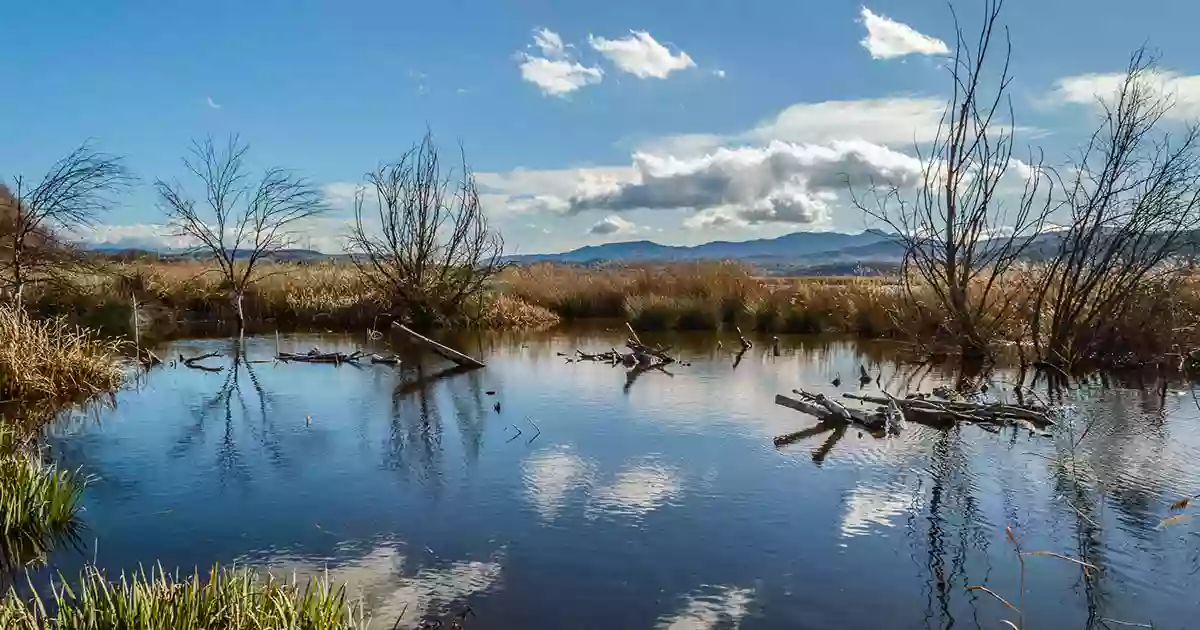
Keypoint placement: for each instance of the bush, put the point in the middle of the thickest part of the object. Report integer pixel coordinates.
(51, 359)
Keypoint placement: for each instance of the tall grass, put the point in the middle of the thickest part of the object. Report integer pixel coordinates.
(226, 599)
(38, 502)
(51, 359)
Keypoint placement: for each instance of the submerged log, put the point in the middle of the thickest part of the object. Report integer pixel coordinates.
(444, 351)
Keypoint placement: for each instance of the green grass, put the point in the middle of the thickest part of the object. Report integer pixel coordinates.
(38, 503)
(224, 599)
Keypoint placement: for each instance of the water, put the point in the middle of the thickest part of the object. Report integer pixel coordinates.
(663, 503)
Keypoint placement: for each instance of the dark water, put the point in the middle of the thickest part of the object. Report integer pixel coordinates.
(661, 504)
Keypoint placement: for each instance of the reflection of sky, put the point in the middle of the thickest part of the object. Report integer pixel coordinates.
(549, 478)
(868, 507)
(637, 490)
(723, 606)
(387, 589)
(626, 501)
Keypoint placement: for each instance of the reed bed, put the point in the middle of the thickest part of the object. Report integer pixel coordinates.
(224, 599)
(42, 359)
(38, 502)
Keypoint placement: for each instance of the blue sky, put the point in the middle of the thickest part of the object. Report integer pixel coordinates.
(698, 90)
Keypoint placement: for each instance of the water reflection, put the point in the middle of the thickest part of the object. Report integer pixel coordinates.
(663, 503)
(400, 592)
(639, 489)
(552, 476)
(711, 608)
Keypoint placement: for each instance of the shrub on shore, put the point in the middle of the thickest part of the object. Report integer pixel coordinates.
(227, 599)
(51, 359)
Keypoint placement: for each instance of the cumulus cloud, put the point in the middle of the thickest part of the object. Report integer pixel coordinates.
(781, 182)
(895, 121)
(555, 73)
(888, 39)
(641, 55)
(889, 121)
(524, 191)
(612, 224)
(1097, 89)
(550, 43)
(558, 77)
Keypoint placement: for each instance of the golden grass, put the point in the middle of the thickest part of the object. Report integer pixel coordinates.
(51, 359)
(1158, 320)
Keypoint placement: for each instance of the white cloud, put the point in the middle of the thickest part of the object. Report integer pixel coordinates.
(211, 103)
(557, 77)
(719, 73)
(148, 236)
(324, 234)
(550, 43)
(556, 74)
(715, 219)
(889, 121)
(613, 224)
(522, 191)
(641, 55)
(894, 121)
(888, 39)
(1095, 89)
(782, 182)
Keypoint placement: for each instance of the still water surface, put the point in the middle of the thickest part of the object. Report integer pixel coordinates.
(661, 503)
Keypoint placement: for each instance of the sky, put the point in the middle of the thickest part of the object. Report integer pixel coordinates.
(680, 122)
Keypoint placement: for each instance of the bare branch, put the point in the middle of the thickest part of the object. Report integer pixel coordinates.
(432, 253)
(240, 221)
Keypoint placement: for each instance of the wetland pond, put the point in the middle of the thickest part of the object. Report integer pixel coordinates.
(661, 503)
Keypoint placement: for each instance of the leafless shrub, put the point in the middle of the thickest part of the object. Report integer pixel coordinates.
(240, 220)
(432, 255)
(33, 216)
(959, 236)
(1133, 205)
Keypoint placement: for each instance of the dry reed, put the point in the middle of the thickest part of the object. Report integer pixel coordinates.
(51, 359)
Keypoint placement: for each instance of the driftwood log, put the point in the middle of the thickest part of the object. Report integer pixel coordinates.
(980, 412)
(442, 350)
(316, 356)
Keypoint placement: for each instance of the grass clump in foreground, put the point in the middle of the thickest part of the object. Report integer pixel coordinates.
(228, 599)
(38, 502)
(51, 359)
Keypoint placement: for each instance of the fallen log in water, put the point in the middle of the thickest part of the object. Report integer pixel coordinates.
(316, 356)
(983, 412)
(444, 351)
(815, 405)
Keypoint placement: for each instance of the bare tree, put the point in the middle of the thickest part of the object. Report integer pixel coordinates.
(432, 254)
(33, 216)
(241, 220)
(959, 233)
(1134, 202)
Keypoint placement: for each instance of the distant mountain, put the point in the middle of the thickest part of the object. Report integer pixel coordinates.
(789, 245)
(794, 251)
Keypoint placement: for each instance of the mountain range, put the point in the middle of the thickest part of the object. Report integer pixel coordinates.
(812, 252)
(808, 252)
